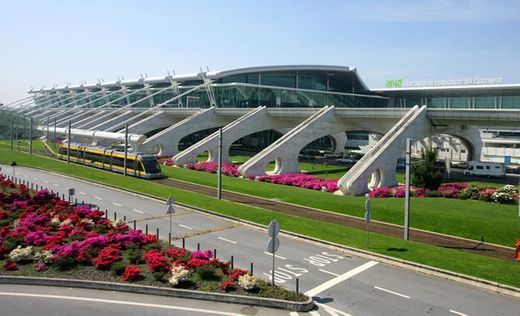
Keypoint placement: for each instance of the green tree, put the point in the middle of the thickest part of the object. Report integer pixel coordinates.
(426, 173)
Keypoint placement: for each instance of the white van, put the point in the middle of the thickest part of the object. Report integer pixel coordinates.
(485, 169)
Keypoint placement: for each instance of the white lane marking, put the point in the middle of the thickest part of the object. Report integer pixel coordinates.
(314, 313)
(331, 310)
(45, 181)
(56, 185)
(328, 272)
(184, 226)
(98, 198)
(293, 314)
(34, 178)
(457, 313)
(391, 292)
(117, 204)
(227, 240)
(138, 211)
(99, 300)
(277, 256)
(82, 193)
(25, 176)
(324, 286)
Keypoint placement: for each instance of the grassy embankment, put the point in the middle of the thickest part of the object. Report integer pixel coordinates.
(503, 271)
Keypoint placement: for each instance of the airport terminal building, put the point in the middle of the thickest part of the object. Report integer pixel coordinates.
(303, 86)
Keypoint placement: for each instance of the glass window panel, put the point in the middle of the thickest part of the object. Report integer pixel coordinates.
(411, 102)
(459, 103)
(511, 102)
(436, 103)
(485, 102)
(279, 80)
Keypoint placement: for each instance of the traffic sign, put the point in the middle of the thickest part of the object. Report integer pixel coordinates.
(507, 159)
(170, 200)
(14, 164)
(170, 210)
(274, 228)
(273, 245)
(72, 191)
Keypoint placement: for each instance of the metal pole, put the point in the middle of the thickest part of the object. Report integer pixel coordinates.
(171, 226)
(30, 136)
(272, 276)
(68, 143)
(12, 130)
(126, 151)
(48, 125)
(54, 140)
(407, 191)
(219, 185)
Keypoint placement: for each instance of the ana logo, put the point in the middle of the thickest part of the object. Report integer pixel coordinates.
(396, 83)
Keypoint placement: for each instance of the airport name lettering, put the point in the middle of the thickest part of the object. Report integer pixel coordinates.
(401, 83)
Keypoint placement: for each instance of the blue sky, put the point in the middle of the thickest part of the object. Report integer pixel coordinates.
(55, 42)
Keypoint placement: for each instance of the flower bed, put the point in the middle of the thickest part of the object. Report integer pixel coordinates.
(301, 180)
(508, 194)
(41, 235)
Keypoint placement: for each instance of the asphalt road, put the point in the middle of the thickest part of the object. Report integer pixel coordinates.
(340, 283)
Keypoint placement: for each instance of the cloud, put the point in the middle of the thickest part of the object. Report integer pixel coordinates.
(432, 11)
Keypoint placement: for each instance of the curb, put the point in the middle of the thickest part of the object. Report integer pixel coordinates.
(401, 263)
(154, 290)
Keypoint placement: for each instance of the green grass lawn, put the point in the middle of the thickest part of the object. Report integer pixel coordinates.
(497, 223)
(503, 271)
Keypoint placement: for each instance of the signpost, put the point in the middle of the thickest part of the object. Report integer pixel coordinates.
(274, 243)
(170, 211)
(368, 206)
(407, 190)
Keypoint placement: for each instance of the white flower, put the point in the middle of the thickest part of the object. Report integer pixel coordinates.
(21, 254)
(178, 274)
(44, 256)
(248, 282)
(67, 222)
(118, 222)
(55, 221)
(87, 221)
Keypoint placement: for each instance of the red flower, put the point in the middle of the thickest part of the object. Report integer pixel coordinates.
(228, 285)
(131, 273)
(10, 266)
(106, 257)
(156, 261)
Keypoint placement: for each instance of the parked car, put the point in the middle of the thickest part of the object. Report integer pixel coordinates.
(486, 169)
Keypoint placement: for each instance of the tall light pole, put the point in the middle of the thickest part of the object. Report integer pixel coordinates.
(407, 191)
(12, 130)
(219, 184)
(30, 135)
(126, 147)
(68, 142)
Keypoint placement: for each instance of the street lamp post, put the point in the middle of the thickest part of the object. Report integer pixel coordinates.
(407, 191)
(219, 184)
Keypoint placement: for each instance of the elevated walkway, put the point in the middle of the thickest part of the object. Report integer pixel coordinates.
(380, 161)
(244, 125)
(286, 149)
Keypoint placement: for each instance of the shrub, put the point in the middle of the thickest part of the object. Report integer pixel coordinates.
(433, 194)
(470, 192)
(426, 173)
(156, 261)
(228, 285)
(21, 254)
(10, 266)
(106, 257)
(64, 263)
(119, 267)
(487, 194)
(248, 282)
(132, 273)
(178, 275)
(380, 192)
(134, 255)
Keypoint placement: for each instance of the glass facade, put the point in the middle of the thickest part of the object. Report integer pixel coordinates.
(459, 103)
(485, 102)
(511, 102)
